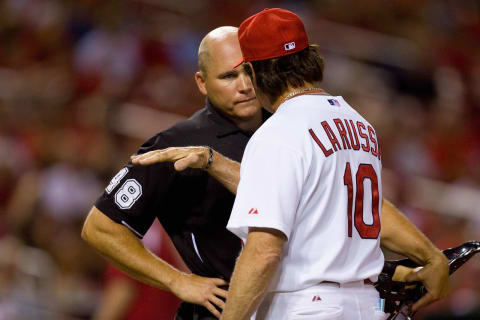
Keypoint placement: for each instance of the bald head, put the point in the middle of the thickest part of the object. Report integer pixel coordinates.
(210, 41)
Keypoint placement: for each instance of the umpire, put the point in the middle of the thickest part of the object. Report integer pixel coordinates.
(192, 207)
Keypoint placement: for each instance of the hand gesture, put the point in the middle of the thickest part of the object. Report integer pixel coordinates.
(434, 276)
(202, 291)
(183, 157)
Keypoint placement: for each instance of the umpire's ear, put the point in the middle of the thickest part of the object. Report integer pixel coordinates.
(200, 80)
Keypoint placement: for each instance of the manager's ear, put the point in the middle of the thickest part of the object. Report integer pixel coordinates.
(201, 81)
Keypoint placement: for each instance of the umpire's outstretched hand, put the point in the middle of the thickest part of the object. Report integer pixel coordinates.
(183, 157)
(202, 291)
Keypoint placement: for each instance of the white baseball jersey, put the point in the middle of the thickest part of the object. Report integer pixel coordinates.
(313, 171)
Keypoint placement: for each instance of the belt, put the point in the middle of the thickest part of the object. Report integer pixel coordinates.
(365, 281)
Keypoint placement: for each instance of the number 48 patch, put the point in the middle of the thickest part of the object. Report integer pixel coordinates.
(128, 193)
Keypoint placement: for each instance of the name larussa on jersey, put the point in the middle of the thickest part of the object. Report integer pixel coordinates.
(365, 140)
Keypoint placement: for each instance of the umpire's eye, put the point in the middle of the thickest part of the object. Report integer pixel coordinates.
(229, 75)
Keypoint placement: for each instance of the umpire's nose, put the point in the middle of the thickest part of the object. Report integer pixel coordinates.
(244, 83)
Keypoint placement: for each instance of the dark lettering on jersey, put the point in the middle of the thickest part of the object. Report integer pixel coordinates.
(320, 144)
(372, 135)
(343, 133)
(331, 136)
(352, 141)
(366, 146)
(356, 144)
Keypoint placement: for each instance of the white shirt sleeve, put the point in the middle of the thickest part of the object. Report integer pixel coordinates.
(271, 180)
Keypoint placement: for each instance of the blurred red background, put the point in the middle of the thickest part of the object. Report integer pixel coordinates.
(84, 83)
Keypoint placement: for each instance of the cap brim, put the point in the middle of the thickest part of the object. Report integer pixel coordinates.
(239, 62)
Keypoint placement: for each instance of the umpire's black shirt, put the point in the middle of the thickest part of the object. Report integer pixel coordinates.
(193, 207)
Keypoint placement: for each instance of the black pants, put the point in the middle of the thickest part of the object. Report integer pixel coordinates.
(189, 311)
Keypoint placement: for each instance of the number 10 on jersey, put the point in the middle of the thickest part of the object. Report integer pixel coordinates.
(365, 171)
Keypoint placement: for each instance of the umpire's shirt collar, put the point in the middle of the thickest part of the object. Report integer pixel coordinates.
(226, 126)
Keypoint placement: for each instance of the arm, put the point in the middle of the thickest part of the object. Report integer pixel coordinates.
(118, 245)
(225, 170)
(253, 272)
(399, 235)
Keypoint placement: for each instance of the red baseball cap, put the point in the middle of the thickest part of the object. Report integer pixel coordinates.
(271, 33)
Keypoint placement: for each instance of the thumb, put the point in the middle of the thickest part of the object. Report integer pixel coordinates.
(415, 275)
(181, 164)
(190, 161)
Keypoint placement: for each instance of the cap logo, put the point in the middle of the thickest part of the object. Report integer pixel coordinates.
(289, 46)
(284, 35)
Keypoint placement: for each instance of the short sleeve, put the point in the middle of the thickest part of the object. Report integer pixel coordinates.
(271, 181)
(134, 193)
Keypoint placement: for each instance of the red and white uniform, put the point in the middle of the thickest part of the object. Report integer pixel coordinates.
(313, 171)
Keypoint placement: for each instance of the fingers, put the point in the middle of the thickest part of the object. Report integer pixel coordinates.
(219, 282)
(150, 157)
(216, 293)
(212, 309)
(220, 292)
(218, 302)
(424, 301)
